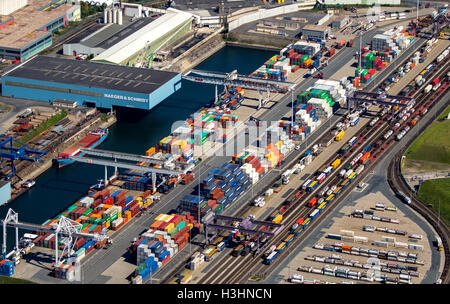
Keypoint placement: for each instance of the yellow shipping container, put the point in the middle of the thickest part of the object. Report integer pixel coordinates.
(169, 227)
(190, 226)
(105, 206)
(277, 219)
(340, 135)
(140, 204)
(96, 215)
(107, 224)
(128, 215)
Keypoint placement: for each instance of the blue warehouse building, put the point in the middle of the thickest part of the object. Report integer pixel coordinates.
(89, 83)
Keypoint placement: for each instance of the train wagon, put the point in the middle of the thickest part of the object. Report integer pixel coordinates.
(329, 198)
(322, 206)
(306, 222)
(271, 257)
(345, 148)
(314, 214)
(237, 251)
(337, 191)
(281, 247)
(345, 183)
(352, 176)
(289, 239)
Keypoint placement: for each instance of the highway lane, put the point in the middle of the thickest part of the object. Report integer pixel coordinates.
(98, 262)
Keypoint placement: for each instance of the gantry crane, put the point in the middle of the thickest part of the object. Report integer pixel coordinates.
(24, 152)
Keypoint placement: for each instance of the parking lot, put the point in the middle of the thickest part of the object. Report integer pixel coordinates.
(344, 246)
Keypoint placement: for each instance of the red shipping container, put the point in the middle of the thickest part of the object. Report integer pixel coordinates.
(109, 200)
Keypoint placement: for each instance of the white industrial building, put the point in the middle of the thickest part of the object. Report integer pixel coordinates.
(126, 31)
(153, 32)
(366, 2)
(9, 6)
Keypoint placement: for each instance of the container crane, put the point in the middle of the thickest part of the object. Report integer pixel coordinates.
(24, 152)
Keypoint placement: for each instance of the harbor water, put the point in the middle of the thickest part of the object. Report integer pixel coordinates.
(134, 132)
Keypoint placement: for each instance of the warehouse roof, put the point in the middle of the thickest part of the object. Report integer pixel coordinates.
(27, 22)
(92, 74)
(311, 27)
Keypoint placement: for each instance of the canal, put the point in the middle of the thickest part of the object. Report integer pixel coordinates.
(134, 132)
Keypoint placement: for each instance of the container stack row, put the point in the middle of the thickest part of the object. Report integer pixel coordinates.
(96, 213)
(301, 54)
(167, 235)
(6, 268)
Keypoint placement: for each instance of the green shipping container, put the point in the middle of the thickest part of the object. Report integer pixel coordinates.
(364, 72)
(304, 58)
(92, 227)
(181, 225)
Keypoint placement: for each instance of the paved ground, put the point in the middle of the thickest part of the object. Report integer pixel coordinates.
(377, 183)
(101, 260)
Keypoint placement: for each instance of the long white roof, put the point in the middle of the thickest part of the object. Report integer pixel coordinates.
(152, 32)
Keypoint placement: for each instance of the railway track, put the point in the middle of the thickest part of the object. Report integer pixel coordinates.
(397, 183)
(239, 270)
(85, 26)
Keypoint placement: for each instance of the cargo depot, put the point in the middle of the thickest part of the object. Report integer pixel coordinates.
(89, 83)
(27, 28)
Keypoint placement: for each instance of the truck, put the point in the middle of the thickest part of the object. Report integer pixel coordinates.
(354, 121)
(285, 177)
(340, 135)
(321, 177)
(306, 184)
(312, 202)
(353, 140)
(26, 113)
(313, 186)
(336, 163)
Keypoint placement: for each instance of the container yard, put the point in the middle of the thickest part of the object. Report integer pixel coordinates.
(308, 181)
(343, 249)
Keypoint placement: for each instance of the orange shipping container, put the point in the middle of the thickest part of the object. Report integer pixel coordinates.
(150, 151)
(344, 247)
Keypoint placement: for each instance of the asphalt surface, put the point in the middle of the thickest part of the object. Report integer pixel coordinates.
(98, 261)
(377, 182)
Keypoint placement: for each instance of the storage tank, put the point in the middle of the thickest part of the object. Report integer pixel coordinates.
(110, 16)
(114, 13)
(105, 16)
(119, 16)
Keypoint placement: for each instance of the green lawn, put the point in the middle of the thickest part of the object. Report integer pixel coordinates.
(7, 280)
(434, 144)
(437, 191)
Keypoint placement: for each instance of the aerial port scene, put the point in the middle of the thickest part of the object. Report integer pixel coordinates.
(211, 142)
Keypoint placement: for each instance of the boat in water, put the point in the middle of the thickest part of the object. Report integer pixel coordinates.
(90, 141)
(28, 183)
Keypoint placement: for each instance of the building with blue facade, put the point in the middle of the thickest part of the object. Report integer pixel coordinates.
(5, 192)
(89, 83)
(29, 30)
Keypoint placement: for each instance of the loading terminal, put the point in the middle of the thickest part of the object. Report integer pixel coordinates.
(89, 83)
